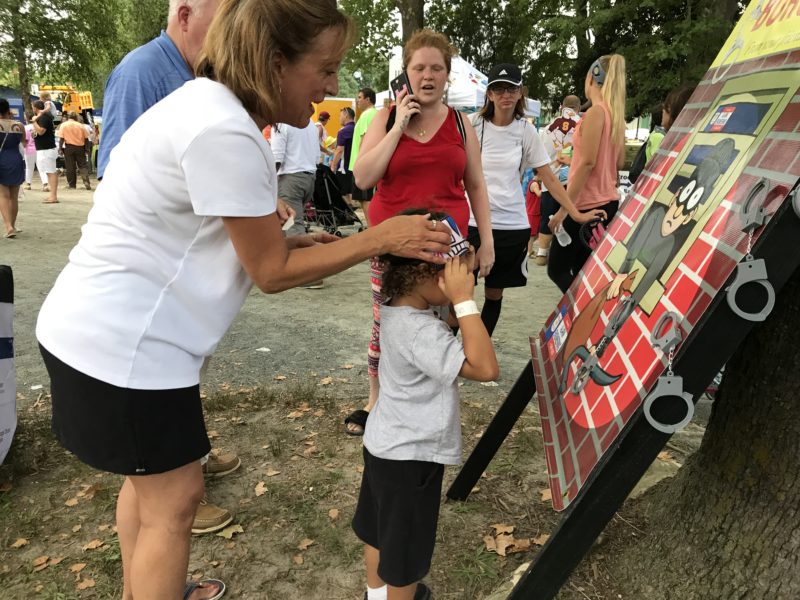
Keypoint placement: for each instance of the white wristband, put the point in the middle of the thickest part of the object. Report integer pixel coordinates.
(464, 309)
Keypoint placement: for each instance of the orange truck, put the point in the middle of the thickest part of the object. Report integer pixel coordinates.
(71, 100)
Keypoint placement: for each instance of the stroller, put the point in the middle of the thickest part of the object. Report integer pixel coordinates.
(328, 209)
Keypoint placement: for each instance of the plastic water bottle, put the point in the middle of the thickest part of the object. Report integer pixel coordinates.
(562, 236)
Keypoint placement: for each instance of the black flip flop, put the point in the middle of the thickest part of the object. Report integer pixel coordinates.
(357, 417)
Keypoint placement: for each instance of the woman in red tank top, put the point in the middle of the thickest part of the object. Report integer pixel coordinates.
(422, 161)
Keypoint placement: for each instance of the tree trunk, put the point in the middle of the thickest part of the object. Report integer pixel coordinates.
(412, 15)
(727, 525)
(22, 66)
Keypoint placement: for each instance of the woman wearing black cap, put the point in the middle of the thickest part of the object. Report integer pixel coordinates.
(510, 145)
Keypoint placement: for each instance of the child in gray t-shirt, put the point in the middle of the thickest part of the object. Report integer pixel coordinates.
(415, 428)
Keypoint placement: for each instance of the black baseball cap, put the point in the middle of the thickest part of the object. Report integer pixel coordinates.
(505, 72)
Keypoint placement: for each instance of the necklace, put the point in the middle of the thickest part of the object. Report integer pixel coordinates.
(421, 132)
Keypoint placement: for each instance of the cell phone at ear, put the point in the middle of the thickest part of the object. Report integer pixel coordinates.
(398, 83)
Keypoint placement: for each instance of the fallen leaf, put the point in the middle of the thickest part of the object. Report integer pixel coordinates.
(54, 561)
(547, 495)
(326, 381)
(89, 491)
(103, 527)
(319, 413)
(520, 545)
(244, 501)
(309, 451)
(272, 473)
(85, 584)
(40, 560)
(541, 540)
(71, 502)
(279, 377)
(305, 543)
(503, 542)
(298, 559)
(261, 488)
(499, 528)
(665, 456)
(76, 528)
(491, 546)
(230, 545)
(77, 567)
(20, 543)
(93, 545)
(295, 414)
(347, 366)
(230, 531)
(333, 514)
(213, 434)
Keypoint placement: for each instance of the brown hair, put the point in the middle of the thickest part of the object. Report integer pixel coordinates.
(402, 275)
(246, 36)
(677, 99)
(427, 38)
(487, 110)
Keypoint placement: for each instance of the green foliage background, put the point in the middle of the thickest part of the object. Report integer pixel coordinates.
(665, 42)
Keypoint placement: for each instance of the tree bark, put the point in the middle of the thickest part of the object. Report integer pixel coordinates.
(728, 525)
(22, 66)
(412, 16)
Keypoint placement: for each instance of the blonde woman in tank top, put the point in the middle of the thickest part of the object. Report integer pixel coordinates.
(599, 151)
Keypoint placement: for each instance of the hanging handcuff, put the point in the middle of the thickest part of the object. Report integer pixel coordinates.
(752, 270)
(667, 336)
(736, 49)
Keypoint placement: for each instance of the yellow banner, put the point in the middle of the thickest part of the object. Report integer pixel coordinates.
(766, 27)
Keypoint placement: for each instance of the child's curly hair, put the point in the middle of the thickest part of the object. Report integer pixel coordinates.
(401, 275)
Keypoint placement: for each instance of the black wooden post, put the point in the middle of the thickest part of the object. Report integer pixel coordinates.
(497, 431)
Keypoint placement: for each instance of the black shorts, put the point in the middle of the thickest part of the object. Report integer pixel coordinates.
(362, 195)
(549, 207)
(345, 182)
(397, 513)
(125, 431)
(510, 257)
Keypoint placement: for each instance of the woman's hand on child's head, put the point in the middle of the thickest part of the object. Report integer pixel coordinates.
(458, 282)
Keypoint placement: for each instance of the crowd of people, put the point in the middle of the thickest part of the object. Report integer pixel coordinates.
(128, 327)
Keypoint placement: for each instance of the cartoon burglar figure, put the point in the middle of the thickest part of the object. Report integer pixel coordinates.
(655, 241)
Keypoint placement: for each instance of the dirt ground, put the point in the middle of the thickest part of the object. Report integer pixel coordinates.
(281, 381)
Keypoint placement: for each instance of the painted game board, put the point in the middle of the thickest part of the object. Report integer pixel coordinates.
(673, 244)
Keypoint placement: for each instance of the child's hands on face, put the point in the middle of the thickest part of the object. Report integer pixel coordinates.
(457, 281)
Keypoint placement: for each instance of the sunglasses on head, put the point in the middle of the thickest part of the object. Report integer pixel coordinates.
(504, 89)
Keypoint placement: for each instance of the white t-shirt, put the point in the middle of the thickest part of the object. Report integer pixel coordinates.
(154, 281)
(417, 415)
(505, 154)
(296, 149)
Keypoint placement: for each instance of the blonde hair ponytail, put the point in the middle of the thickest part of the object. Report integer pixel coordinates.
(613, 91)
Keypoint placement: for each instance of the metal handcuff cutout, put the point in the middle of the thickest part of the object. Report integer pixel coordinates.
(669, 385)
(752, 270)
(735, 49)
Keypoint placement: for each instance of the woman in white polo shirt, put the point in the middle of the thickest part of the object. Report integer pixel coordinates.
(509, 146)
(182, 225)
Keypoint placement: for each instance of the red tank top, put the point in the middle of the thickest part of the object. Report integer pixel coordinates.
(428, 176)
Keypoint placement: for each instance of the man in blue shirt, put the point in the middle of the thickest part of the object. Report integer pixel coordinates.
(151, 72)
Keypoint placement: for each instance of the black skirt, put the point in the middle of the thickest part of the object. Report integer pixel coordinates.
(121, 430)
